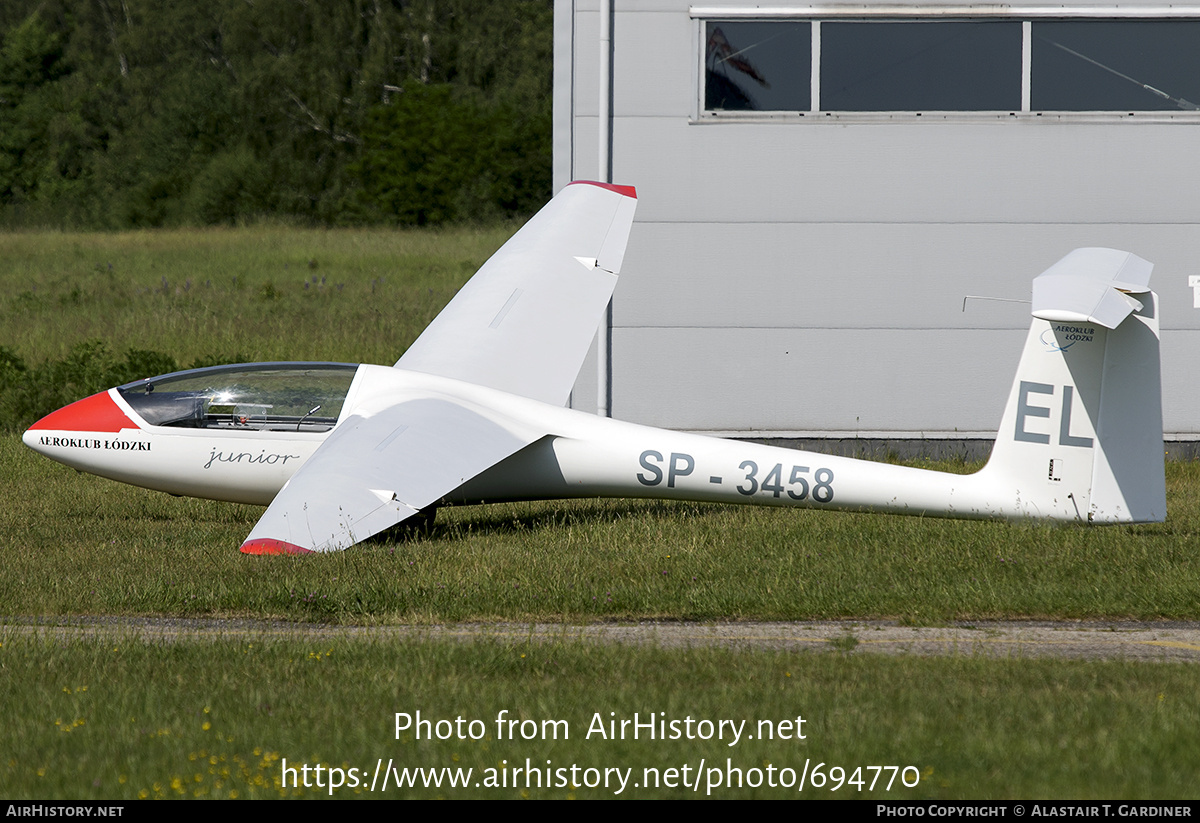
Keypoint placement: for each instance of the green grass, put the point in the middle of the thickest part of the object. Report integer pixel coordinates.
(114, 717)
(111, 717)
(77, 544)
(266, 293)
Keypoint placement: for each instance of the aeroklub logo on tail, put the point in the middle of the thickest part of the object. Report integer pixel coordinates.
(1070, 335)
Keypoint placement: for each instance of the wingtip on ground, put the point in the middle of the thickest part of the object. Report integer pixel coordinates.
(267, 545)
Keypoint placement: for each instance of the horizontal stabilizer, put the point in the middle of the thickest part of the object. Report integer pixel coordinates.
(1092, 286)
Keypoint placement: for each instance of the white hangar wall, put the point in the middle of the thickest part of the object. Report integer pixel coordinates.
(798, 275)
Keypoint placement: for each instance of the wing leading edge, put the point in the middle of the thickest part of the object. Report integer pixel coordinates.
(523, 324)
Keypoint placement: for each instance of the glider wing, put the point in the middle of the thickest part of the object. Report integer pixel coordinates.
(523, 324)
(375, 471)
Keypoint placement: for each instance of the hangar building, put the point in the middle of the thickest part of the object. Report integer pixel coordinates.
(826, 192)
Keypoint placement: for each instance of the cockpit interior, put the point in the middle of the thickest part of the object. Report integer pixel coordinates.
(304, 397)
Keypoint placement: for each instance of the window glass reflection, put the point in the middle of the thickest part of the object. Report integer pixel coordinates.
(757, 66)
(1115, 65)
(259, 396)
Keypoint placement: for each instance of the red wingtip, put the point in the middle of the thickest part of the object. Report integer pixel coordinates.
(97, 413)
(267, 545)
(628, 191)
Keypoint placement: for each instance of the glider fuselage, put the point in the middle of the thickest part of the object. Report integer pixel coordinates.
(474, 411)
(581, 456)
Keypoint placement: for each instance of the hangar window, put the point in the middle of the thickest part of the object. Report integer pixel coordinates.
(1115, 65)
(920, 66)
(912, 64)
(757, 66)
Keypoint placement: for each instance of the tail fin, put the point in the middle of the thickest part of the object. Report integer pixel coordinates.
(1081, 437)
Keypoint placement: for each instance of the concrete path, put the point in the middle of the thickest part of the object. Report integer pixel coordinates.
(1085, 640)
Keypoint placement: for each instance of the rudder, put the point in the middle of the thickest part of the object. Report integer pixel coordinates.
(1081, 436)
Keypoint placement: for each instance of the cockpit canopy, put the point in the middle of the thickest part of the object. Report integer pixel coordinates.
(247, 396)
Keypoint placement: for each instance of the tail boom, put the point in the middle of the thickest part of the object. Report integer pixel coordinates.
(1080, 439)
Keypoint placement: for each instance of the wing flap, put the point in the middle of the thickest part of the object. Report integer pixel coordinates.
(374, 472)
(523, 324)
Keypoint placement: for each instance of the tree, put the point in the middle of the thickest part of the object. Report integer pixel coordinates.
(118, 113)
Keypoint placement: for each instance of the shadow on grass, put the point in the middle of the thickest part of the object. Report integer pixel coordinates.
(500, 519)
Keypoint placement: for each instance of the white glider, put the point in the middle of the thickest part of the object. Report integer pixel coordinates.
(474, 412)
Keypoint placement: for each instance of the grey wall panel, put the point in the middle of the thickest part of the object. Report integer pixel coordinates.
(788, 380)
(653, 63)
(563, 118)
(868, 275)
(904, 382)
(587, 60)
(1181, 382)
(922, 172)
(586, 162)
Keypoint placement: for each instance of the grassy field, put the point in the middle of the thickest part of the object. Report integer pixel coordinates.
(114, 718)
(78, 544)
(266, 293)
(119, 718)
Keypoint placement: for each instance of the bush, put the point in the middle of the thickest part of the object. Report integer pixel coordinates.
(226, 190)
(27, 395)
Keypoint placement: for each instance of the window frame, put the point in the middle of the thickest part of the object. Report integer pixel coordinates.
(1026, 15)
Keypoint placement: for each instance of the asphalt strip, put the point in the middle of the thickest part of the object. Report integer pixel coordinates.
(1129, 640)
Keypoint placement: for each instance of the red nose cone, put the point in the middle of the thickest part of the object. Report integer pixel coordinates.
(97, 413)
(267, 545)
